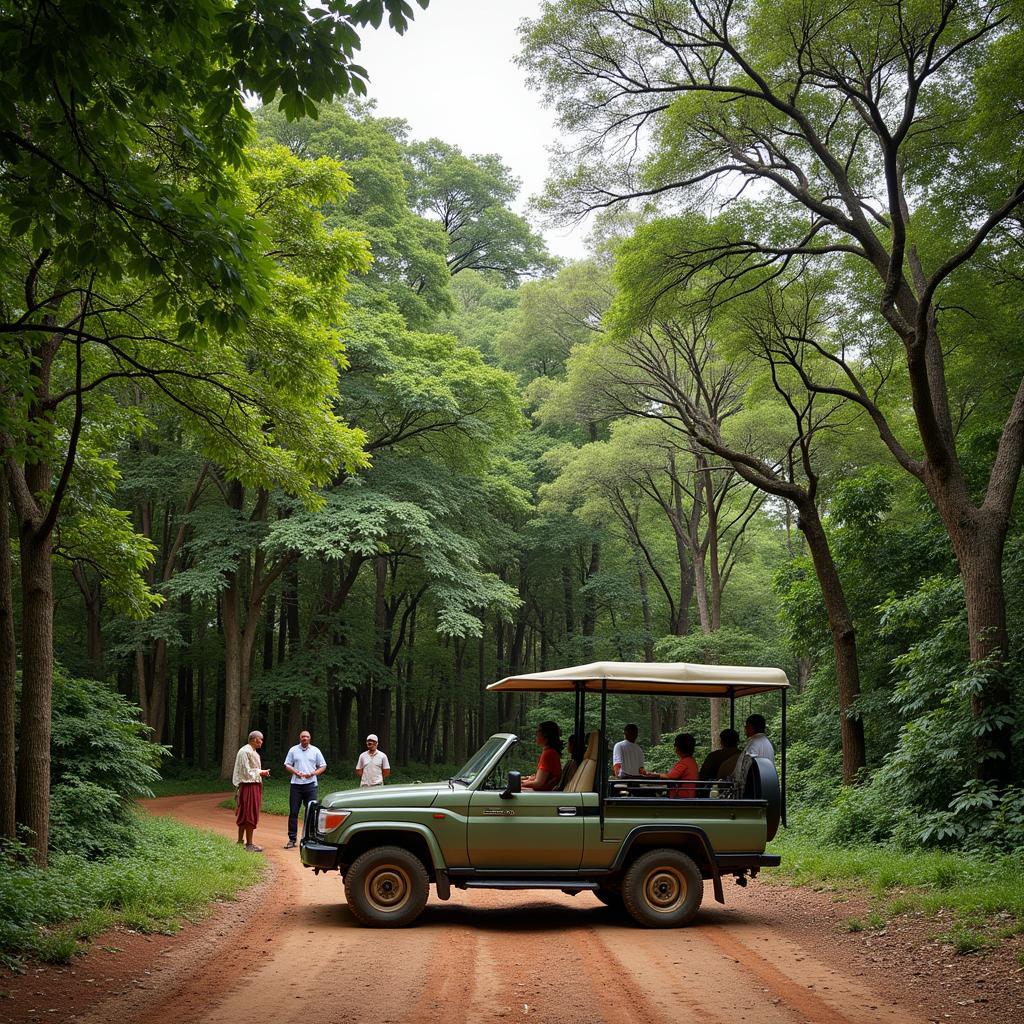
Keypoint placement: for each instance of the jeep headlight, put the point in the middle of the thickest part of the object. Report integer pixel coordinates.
(328, 821)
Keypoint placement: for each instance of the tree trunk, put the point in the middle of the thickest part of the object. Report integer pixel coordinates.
(345, 699)
(295, 723)
(92, 599)
(268, 634)
(568, 606)
(232, 682)
(481, 699)
(33, 776)
(844, 640)
(203, 754)
(8, 671)
(590, 604)
(979, 553)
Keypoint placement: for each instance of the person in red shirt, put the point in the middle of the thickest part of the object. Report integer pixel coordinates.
(549, 765)
(685, 768)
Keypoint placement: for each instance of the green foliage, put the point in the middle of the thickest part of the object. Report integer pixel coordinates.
(168, 872)
(971, 886)
(471, 197)
(102, 761)
(409, 265)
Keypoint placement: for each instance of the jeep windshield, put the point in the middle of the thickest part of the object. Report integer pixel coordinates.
(468, 773)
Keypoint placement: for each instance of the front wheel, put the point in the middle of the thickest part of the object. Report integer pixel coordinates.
(662, 889)
(387, 887)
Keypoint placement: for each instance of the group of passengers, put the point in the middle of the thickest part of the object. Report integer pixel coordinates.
(628, 758)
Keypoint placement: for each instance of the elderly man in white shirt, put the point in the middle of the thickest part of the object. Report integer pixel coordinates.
(758, 745)
(373, 766)
(247, 778)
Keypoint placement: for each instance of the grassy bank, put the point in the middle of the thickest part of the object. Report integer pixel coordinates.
(172, 874)
(983, 894)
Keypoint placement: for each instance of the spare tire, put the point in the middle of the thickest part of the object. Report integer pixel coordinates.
(762, 783)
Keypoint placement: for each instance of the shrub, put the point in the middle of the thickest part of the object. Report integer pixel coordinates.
(102, 760)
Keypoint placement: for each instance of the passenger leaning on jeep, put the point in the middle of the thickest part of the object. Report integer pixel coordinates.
(549, 765)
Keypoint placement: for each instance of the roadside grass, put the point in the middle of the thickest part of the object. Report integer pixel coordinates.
(192, 782)
(981, 894)
(171, 874)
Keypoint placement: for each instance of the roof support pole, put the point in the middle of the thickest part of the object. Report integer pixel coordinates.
(783, 763)
(602, 767)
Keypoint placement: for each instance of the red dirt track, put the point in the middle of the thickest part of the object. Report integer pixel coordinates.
(290, 951)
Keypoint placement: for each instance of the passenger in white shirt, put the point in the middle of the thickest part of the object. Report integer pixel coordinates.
(628, 755)
(373, 766)
(758, 745)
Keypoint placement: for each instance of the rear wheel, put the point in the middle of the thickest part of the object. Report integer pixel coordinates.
(387, 887)
(662, 889)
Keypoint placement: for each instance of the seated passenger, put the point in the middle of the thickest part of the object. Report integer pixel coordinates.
(758, 745)
(577, 748)
(685, 768)
(549, 765)
(713, 763)
(628, 755)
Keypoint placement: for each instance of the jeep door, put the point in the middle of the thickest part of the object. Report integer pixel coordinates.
(527, 831)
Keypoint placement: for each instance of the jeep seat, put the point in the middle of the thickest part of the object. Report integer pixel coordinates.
(583, 778)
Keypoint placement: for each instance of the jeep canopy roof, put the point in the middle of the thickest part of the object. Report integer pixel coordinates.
(672, 679)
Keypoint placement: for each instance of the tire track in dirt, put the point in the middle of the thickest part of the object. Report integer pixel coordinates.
(801, 983)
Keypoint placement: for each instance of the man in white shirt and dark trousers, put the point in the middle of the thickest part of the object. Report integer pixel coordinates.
(758, 745)
(305, 764)
(628, 755)
(373, 766)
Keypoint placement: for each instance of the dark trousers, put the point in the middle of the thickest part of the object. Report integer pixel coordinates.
(298, 796)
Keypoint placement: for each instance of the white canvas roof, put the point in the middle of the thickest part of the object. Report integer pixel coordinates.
(675, 679)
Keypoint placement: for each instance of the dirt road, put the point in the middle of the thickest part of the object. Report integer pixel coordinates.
(291, 952)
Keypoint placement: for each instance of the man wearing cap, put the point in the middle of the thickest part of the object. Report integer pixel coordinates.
(373, 767)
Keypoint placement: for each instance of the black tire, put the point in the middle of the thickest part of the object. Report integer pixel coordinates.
(387, 887)
(662, 889)
(611, 898)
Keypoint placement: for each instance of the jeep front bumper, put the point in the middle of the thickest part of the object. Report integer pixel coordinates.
(318, 855)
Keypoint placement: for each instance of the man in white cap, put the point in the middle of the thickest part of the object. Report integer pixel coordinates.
(373, 767)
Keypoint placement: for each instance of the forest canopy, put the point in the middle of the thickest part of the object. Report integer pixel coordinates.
(303, 427)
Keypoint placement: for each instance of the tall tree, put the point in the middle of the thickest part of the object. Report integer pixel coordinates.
(676, 366)
(881, 141)
(472, 196)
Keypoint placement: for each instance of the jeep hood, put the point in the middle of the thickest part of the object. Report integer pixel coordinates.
(421, 794)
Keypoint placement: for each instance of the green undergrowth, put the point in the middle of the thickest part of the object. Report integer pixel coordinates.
(976, 899)
(171, 874)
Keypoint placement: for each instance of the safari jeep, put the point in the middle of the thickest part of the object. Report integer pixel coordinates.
(626, 840)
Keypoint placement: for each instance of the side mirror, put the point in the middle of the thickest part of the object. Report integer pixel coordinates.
(513, 786)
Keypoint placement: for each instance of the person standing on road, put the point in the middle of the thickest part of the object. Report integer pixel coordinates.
(247, 778)
(373, 766)
(305, 764)
(628, 755)
(758, 745)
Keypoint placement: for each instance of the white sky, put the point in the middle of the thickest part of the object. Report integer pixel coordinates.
(451, 76)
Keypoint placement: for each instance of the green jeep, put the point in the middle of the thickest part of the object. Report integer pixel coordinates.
(628, 841)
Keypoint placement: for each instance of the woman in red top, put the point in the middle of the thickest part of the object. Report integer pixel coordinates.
(685, 768)
(549, 766)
